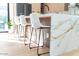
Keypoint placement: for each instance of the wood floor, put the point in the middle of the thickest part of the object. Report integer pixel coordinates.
(11, 46)
(19, 49)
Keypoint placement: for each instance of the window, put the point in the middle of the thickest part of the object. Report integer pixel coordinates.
(4, 10)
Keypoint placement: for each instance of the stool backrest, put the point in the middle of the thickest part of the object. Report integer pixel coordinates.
(35, 22)
(22, 20)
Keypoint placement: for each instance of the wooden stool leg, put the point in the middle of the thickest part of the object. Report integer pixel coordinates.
(30, 38)
(43, 37)
(38, 42)
(18, 30)
(36, 35)
(25, 35)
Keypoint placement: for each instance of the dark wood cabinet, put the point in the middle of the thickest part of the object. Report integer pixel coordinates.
(23, 9)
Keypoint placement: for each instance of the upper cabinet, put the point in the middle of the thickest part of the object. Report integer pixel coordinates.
(23, 9)
(26, 9)
(49, 7)
(54, 7)
(36, 7)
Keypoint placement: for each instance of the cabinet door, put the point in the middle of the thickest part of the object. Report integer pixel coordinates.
(20, 8)
(36, 7)
(56, 7)
(23, 9)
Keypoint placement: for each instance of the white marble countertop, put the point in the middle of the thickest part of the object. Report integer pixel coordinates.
(41, 15)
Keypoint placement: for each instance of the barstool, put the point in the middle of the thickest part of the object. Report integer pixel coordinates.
(35, 24)
(17, 24)
(24, 25)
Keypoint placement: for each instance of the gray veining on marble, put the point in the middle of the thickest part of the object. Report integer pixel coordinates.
(64, 33)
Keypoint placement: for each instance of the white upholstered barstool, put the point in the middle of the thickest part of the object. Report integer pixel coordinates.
(16, 25)
(24, 26)
(35, 24)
